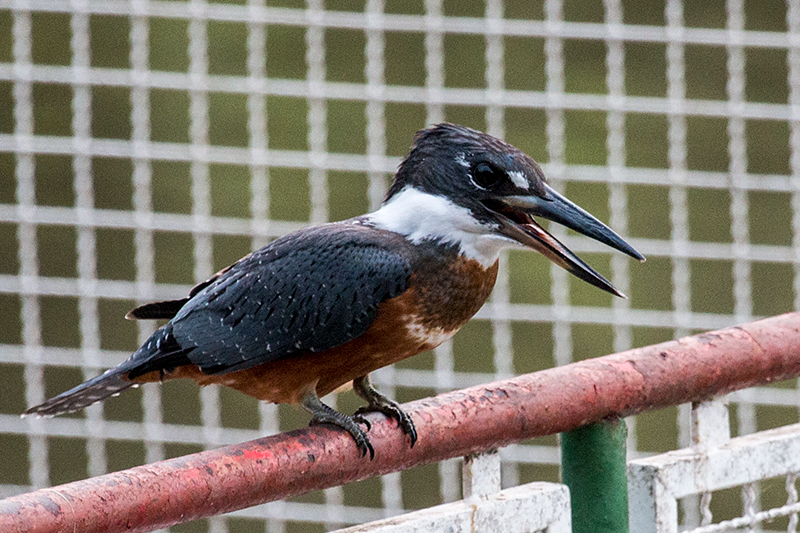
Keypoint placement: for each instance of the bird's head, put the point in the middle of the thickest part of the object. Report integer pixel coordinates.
(470, 189)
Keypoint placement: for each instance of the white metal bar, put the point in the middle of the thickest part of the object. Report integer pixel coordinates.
(556, 146)
(791, 500)
(666, 509)
(480, 474)
(752, 520)
(27, 252)
(677, 474)
(434, 62)
(391, 485)
(258, 138)
(89, 320)
(43, 144)
(523, 509)
(257, 127)
(710, 423)
(436, 96)
(793, 70)
(397, 22)
(793, 60)
(618, 197)
(317, 113)
(737, 151)
(376, 107)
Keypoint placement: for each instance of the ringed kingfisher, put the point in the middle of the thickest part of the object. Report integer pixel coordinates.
(327, 305)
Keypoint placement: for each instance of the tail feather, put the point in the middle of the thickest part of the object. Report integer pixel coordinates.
(161, 353)
(155, 310)
(107, 384)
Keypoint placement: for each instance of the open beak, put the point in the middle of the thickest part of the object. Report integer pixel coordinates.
(514, 215)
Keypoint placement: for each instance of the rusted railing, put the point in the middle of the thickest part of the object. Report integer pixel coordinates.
(449, 425)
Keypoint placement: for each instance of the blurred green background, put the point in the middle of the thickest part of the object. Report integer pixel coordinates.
(709, 219)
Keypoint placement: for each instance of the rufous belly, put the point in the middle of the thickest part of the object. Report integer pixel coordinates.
(416, 321)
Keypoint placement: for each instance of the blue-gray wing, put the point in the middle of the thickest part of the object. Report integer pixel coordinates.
(307, 292)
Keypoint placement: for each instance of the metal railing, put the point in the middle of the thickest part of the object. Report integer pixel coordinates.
(458, 423)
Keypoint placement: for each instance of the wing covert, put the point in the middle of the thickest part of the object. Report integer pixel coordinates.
(308, 292)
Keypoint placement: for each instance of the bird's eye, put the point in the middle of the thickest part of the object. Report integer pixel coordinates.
(486, 176)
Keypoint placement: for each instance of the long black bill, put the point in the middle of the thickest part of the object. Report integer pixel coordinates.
(561, 210)
(518, 225)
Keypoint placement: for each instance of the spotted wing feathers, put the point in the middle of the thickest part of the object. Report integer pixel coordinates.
(307, 293)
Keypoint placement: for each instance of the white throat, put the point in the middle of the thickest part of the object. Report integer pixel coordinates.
(421, 216)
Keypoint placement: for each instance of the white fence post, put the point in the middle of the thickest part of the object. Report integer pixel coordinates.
(485, 508)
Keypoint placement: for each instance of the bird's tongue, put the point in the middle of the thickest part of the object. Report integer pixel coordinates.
(522, 228)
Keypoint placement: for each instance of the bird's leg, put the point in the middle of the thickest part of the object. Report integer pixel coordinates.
(323, 414)
(378, 402)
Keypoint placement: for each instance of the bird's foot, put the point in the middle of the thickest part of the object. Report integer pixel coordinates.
(323, 414)
(349, 424)
(392, 411)
(380, 403)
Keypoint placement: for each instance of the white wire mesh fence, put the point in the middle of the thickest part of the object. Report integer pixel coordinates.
(145, 144)
(712, 470)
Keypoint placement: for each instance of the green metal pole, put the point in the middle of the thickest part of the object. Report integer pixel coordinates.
(593, 467)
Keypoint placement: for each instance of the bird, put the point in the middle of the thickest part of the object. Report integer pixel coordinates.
(326, 305)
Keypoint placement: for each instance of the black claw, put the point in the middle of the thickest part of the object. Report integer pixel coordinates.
(369, 449)
(350, 425)
(391, 410)
(378, 402)
(411, 431)
(362, 441)
(357, 416)
(323, 414)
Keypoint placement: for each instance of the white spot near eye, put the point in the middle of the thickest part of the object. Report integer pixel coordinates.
(519, 179)
(461, 159)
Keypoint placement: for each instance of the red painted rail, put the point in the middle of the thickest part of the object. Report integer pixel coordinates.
(449, 425)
